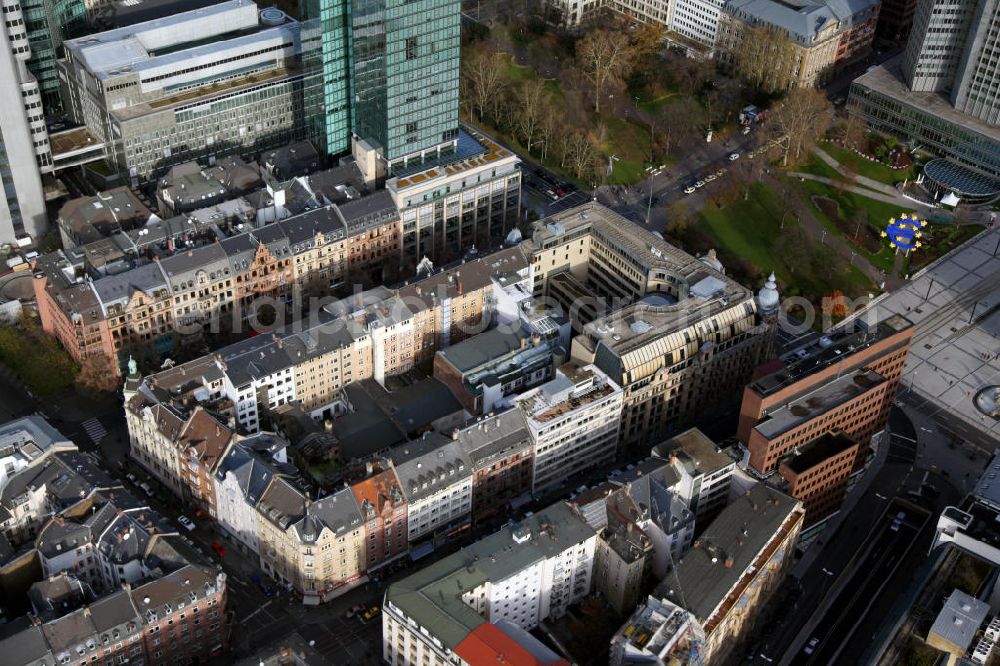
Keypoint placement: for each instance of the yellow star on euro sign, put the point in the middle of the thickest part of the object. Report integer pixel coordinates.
(892, 220)
(891, 244)
(919, 244)
(883, 234)
(923, 223)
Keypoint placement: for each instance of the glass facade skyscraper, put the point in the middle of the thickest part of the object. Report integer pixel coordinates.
(391, 74)
(326, 51)
(48, 23)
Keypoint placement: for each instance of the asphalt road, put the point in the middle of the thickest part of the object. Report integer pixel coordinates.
(900, 472)
(850, 608)
(540, 187)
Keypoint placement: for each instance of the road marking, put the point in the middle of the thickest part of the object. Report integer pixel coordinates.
(257, 611)
(95, 431)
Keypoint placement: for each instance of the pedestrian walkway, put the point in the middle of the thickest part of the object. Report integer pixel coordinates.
(818, 233)
(870, 183)
(893, 199)
(95, 430)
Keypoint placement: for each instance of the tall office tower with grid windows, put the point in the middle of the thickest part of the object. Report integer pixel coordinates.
(391, 72)
(952, 49)
(24, 144)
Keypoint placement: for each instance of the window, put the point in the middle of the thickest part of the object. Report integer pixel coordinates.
(411, 48)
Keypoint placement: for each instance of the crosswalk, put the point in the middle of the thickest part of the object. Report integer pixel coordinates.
(95, 431)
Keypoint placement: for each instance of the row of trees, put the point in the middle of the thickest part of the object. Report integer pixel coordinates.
(560, 120)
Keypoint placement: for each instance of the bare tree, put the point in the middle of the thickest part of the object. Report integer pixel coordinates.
(764, 56)
(693, 73)
(548, 128)
(852, 131)
(681, 120)
(580, 153)
(741, 176)
(484, 77)
(678, 218)
(604, 57)
(96, 375)
(648, 39)
(800, 120)
(532, 102)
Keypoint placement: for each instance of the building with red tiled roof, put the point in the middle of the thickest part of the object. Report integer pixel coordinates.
(201, 446)
(492, 644)
(383, 510)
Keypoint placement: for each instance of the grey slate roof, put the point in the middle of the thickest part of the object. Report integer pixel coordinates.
(184, 266)
(426, 466)
(739, 533)
(339, 512)
(433, 595)
(493, 438)
(23, 644)
(119, 288)
(803, 19)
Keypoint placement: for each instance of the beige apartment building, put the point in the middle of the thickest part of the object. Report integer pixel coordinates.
(316, 547)
(805, 42)
(372, 335)
(677, 334)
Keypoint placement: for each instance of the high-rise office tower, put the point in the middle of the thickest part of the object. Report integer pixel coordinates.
(390, 70)
(48, 23)
(23, 138)
(952, 49)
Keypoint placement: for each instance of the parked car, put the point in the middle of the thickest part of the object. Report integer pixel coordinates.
(353, 611)
(710, 177)
(218, 549)
(700, 183)
(811, 646)
(146, 488)
(186, 523)
(689, 189)
(264, 587)
(370, 614)
(131, 478)
(733, 157)
(897, 521)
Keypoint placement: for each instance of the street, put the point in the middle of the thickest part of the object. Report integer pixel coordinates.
(833, 563)
(546, 194)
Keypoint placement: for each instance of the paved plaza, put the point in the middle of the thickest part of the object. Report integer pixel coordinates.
(955, 305)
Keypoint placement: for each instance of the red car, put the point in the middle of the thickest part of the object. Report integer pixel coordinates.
(219, 549)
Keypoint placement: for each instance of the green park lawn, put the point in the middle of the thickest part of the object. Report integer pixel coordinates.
(877, 214)
(749, 233)
(630, 142)
(863, 167)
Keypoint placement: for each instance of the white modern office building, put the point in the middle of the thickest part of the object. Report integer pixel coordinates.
(24, 142)
(574, 421)
(476, 606)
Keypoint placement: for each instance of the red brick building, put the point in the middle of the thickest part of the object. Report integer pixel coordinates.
(201, 446)
(845, 381)
(183, 616)
(817, 474)
(383, 509)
